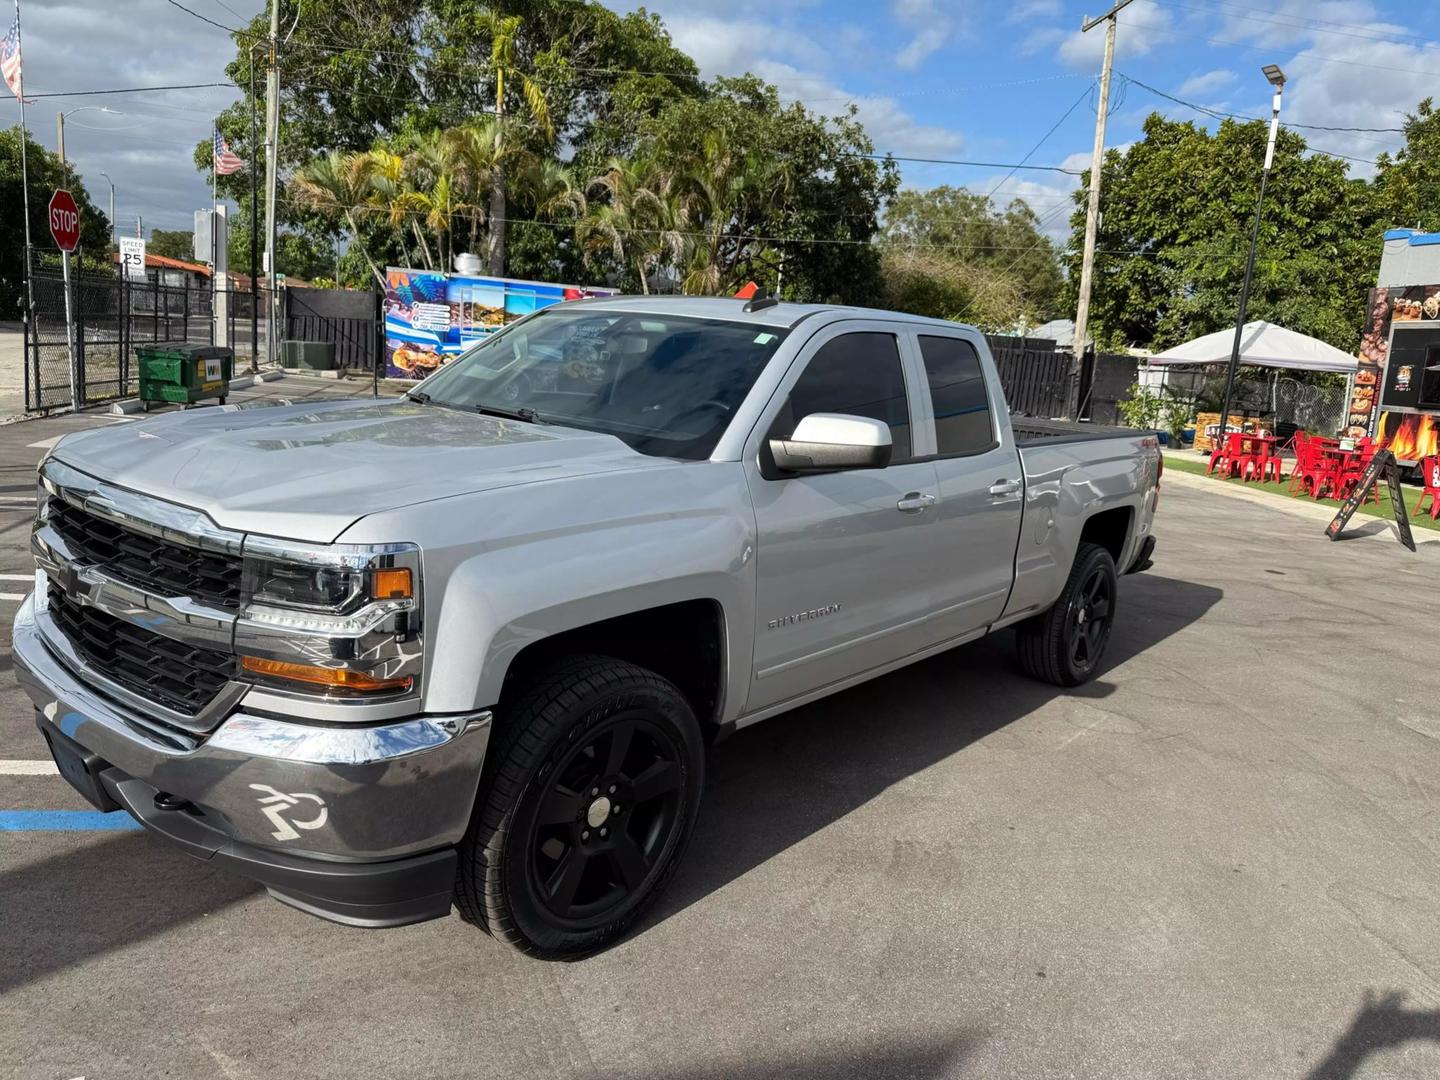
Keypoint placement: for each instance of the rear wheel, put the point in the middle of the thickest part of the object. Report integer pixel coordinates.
(1064, 644)
(589, 801)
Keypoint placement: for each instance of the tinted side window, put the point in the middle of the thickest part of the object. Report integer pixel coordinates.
(859, 374)
(957, 389)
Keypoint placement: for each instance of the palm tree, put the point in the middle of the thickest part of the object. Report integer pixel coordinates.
(337, 187)
(642, 220)
(390, 188)
(504, 31)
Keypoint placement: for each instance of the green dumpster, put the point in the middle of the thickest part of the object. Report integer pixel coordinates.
(182, 372)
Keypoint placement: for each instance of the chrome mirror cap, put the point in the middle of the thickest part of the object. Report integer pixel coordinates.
(826, 442)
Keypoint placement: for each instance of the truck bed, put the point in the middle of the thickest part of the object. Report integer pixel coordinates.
(1033, 431)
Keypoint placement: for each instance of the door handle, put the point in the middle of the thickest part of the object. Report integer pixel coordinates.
(1004, 489)
(914, 502)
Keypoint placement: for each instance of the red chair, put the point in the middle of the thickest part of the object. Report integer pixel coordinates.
(1315, 471)
(1355, 468)
(1430, 477)
(1264, 464)
(1226, 454)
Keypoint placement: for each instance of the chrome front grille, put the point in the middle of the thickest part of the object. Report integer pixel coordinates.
(182, 677)
(147, 561)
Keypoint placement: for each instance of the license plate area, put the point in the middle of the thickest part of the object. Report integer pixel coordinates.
(80, 767)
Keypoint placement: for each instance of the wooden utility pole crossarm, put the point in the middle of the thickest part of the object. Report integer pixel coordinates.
(1097, 157)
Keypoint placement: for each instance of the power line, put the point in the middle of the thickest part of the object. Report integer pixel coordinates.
(1221, 114)
(1319, 26)
(202, 18)
(131, 90)
(1053, 128)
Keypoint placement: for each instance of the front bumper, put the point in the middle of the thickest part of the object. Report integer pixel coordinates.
(356, 823)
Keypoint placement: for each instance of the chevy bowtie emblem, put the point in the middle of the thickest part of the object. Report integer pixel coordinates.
(276, 804)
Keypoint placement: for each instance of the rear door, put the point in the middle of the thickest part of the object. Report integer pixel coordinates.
(981, 485)
(844, 560)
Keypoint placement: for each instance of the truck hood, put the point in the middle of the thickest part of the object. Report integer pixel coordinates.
(307, 472)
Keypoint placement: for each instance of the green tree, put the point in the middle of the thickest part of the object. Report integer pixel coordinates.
(640, 221)
(1178, 208)
(338, 186)
(172, 244)
(777, 193)
(960, 227)
(1409, 183)
(45, 177)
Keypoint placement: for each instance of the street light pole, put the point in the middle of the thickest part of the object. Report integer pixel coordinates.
(1276, 78)
(112, 207)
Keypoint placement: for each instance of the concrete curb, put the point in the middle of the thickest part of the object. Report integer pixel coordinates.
(1319, 513)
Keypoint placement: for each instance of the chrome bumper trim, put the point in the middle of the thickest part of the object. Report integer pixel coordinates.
(388, 790)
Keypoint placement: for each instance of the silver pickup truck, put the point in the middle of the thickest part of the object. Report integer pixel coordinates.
(469, 646)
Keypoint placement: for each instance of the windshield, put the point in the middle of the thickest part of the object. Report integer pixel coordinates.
(666, 385)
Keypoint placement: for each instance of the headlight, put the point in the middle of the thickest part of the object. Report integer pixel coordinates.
(338, 587)
(341, 618)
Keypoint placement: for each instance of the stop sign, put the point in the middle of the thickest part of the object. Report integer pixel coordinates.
(64, 220)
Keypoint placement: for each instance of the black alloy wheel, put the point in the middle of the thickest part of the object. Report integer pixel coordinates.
(588, 798)
(610, 809)
(1090, 617)
(1064, 644)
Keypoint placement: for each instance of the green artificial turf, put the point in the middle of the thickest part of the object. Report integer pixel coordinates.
(1188, 461)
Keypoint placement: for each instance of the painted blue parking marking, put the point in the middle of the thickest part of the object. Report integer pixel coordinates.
(64, 821)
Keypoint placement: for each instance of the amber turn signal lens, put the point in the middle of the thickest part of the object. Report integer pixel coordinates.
(391, 584)
(337, 678)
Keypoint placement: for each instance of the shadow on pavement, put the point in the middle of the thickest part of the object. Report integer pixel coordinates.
(1381, 1024)
(100, 896)
(775, 784)
(914, 1060)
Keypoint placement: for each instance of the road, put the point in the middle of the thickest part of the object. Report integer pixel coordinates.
(1217, 860)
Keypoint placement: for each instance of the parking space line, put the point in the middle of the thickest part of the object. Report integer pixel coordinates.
(38, 767)
(12, 596)
(17, 577)
(64, 821)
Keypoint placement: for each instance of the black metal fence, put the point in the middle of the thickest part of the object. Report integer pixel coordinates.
(113, 315)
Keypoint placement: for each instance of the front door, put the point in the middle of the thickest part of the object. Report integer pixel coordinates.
(843, 559)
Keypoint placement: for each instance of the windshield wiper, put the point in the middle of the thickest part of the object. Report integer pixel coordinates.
(418, 396)
(530, 416)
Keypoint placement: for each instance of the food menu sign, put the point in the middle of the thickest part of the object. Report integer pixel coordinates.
(1386, 383)
(432, 317)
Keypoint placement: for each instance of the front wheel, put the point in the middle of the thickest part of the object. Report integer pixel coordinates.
(589, 803)
(1064, 644)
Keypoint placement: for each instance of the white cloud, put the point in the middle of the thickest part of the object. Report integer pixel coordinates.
(1140, 28)
(101, 44)
(1206, 83)
(1378, 85)
(1295, 21)
(1033, 9)
(797, 63)
(931, 28)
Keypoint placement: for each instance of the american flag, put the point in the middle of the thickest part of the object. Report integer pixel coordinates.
(225, 160)
(10, 57)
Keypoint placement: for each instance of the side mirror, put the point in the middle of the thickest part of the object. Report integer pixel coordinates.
(828, 442)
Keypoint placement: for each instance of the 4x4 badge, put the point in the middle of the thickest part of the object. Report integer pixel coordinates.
(276, 803)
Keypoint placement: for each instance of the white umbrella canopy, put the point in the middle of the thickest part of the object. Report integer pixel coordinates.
(1262, 344)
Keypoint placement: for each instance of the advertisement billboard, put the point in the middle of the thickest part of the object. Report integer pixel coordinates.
(432, 317)
(1399, 349)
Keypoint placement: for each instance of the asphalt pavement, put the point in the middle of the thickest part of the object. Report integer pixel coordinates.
(1217, 860)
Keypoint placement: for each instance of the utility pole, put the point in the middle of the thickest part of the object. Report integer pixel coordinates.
(272, 141)
(1276, 78)
(1097, 157)
(254, 228)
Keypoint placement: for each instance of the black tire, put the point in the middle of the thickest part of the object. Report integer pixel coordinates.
(1064, 645)
(535, 870)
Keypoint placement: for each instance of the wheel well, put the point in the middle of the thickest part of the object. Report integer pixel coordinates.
(681, 642)
(1109, 529)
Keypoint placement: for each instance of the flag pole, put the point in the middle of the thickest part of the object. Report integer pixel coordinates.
(24, 173)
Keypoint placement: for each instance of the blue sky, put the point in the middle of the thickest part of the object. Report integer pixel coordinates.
(932, 78)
